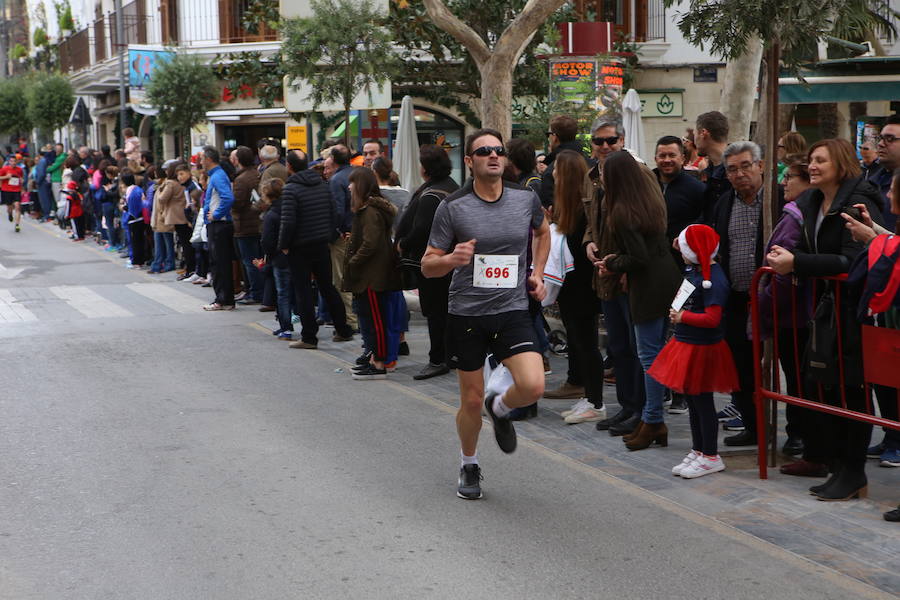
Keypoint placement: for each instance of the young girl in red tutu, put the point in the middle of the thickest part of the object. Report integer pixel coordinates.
(696, 361)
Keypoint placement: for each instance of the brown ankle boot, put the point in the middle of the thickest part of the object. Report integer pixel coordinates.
(630, 436)
(649, 433)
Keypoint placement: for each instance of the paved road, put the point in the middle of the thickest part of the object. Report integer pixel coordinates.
(151, 450)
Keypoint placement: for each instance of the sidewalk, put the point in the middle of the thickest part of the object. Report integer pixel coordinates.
(849, 537)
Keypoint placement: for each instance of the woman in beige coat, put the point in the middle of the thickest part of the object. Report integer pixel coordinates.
(167, 191)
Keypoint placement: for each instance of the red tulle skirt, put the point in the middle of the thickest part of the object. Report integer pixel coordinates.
(695, 368)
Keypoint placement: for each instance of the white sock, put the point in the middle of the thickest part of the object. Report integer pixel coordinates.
(469, 460)
(499, 408)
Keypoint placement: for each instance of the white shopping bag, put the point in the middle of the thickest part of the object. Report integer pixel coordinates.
(496, 380)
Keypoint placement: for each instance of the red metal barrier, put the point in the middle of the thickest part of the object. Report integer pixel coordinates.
(880, 353)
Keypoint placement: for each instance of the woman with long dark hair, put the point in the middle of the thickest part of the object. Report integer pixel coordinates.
(370, 268)
(636, 220)
(827, 248)
(579, 305)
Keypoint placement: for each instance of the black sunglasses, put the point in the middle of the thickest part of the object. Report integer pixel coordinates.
(549, 133)
(486, 151)
(609, 141)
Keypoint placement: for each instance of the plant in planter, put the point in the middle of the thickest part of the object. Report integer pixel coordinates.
(64, 18)
(19, 52)
(40, 38)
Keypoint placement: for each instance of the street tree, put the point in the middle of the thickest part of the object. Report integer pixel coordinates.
(14, 117)
(340, 51)
(182, 89)
(50, 100)
(497, 61)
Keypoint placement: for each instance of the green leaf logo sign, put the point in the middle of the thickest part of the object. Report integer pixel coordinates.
(665, 105)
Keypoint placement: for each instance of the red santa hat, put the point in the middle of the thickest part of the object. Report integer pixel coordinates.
(699, 244)
(72, 185)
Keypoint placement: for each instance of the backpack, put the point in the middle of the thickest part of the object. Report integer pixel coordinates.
(879, 266)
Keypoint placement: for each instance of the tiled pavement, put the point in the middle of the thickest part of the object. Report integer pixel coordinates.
(849, 537)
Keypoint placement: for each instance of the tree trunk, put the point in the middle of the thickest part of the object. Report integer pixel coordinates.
(347, 126)
(496, 97)
(741, 79)
(828, 119)
(496, 65)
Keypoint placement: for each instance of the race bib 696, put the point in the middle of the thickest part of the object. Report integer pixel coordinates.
(496, 271)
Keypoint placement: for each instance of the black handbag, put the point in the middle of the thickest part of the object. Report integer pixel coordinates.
(821, 360)
(409, 273)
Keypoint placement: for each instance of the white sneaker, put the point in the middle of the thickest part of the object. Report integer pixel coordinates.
(587, 414)
(704, 465)
(194, 277)
(691, 457)
(581, 404)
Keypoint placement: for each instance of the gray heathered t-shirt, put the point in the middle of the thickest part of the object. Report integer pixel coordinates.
(499, 228)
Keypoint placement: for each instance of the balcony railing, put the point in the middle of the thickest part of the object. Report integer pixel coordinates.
(75, 51)
(656, 21)
(187, 23)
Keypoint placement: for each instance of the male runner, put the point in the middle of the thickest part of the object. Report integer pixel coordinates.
(481, 233)
(11, 180)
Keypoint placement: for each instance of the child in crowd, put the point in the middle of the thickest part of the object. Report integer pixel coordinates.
(75, 211)
(696, 361)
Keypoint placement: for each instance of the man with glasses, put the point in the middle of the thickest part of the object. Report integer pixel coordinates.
(888, 147)
(738, 221)
(561, 136)
(608, 136)
(481, 235)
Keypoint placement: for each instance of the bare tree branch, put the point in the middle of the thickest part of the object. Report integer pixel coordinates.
(517, 35)
(446, 20)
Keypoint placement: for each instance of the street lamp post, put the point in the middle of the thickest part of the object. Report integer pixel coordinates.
(123, 47)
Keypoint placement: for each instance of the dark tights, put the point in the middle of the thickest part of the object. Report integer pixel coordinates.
(704, 425)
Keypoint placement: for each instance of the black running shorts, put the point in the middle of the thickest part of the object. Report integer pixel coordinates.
(10, 197)
(471, 339)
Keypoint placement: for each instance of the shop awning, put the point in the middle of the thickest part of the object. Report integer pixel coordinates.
(861, 79)
(354, 127)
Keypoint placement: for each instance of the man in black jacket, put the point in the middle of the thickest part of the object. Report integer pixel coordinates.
(561, 136)
(413, 232)
(307, 226)
(711, 138)
(683, 193)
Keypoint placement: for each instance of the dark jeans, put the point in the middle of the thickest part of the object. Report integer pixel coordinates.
(315, 260)
(584, 347)
(433, 295)
(797, 418)
(137, 230)
(248, 248)
(163, 251)
(221, 253)
(269, 290)
(284, 290)
(622, 346)
(201, 254)
(183, 238)
(45, 197)
(736, 313)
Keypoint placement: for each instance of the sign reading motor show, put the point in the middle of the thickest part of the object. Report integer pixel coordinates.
(581, 79)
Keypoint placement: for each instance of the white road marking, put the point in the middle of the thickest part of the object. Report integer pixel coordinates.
(11, 311)
(10, 273)
(168, 297)
(88, 302)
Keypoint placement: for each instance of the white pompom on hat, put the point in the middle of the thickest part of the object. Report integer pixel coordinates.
(699, 245)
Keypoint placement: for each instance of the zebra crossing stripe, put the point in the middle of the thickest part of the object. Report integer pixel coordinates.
(168, 297)
(13, 312)
(88, 302)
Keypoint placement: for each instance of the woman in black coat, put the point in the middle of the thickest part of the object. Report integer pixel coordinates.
(827, 248)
